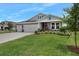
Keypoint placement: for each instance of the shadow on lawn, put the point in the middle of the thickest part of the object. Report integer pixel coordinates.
(73, 49)
(66, 49)
(62, 48)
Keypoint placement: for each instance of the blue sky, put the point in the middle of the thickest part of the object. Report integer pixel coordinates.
(23, 11)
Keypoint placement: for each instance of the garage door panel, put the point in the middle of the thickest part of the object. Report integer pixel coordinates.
(30, 28)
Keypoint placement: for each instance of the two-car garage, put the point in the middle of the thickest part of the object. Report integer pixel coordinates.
(27, 27)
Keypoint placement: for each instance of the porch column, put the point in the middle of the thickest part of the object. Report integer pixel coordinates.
(38, 25)
(60, 24)
(55, 26)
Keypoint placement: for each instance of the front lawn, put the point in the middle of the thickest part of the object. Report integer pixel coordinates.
(38, 45)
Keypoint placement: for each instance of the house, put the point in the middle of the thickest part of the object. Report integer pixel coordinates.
(0, 25)
(40, 21)
(6, 24)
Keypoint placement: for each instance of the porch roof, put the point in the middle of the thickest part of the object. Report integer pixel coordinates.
(26, 22)
(39, 21)
(50, 21)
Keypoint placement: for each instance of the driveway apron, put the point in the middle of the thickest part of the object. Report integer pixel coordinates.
(12, 36)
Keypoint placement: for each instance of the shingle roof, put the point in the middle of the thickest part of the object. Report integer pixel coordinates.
(35, 18)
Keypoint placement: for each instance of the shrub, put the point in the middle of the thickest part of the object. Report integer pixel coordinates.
(63, 29)
(46, 32)
(61, 33)
(43, 32)
(50, 32)
(39, 30)
(36, 32)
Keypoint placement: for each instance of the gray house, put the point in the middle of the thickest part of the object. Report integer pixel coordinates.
(40, 21)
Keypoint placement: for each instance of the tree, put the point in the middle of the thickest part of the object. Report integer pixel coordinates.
(63, 29)
(72, 18)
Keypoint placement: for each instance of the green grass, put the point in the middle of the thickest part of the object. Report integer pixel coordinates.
(38, 45)
(6, 31)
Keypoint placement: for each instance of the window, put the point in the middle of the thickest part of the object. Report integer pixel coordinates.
(57, 25)
(53, 25)
(39, 17)
(49, 17)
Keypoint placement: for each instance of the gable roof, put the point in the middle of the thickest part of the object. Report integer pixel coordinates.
(35, 18)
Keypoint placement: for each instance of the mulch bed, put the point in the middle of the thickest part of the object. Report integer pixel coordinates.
(73, 49)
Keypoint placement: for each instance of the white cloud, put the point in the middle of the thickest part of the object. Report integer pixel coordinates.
(20, 13)
(44, 6)
(48, 4)
(39, 9)
(17, 20)
(24, 11)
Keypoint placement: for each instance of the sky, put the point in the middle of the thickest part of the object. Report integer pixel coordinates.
(23, 11)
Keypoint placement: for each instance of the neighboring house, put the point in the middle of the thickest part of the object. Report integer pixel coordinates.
(6, 24)
(0, 25)
(40, 21)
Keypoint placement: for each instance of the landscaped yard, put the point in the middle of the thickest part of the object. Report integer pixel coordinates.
(38, 45)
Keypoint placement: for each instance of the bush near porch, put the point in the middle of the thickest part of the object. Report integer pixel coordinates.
(61, 31)
(43, 32)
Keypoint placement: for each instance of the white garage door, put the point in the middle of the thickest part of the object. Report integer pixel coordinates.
(19, 28)
(30, 27)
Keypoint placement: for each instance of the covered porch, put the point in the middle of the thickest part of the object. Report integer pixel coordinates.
(50, 25)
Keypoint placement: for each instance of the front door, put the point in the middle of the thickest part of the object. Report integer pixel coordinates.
(44, 26)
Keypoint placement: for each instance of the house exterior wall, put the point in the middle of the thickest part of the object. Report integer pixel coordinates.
(19, 28)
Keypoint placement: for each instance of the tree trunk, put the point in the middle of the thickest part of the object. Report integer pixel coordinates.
(75, 34)
(75, 31)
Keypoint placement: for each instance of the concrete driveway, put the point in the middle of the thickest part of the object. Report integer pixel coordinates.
(12, 36)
